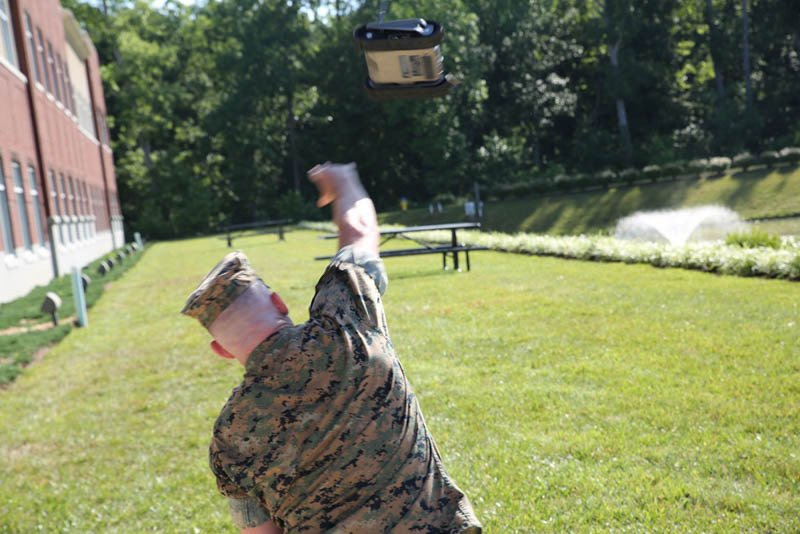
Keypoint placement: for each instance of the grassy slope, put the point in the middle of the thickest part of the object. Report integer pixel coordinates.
(564, 395)
(758, 193)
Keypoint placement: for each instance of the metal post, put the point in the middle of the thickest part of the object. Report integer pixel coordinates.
(280, 232)
(478, 211)
(455, 254)
(80, 297)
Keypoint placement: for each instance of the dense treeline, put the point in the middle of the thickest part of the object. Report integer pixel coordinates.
(218, 109)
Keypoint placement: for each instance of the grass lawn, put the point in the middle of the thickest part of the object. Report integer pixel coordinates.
(564, 395)
(20, 319)
(753, 194)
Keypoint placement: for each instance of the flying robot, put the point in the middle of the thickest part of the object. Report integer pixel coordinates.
(404, 58)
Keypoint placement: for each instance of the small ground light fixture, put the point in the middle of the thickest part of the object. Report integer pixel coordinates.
(50, 305)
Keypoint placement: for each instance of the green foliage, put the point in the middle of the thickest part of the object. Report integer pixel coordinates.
(790, 155)
(769, 158)
(629, 176)
(754, 238)
(745, 160)
(652, 172)
(293, 206)
(218, 108)
(752, 195)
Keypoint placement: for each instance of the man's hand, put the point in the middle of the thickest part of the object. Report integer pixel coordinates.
(335, 180)
(353, 211)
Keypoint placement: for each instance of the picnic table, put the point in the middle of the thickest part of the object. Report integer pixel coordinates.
(242, 228)
(453, 248)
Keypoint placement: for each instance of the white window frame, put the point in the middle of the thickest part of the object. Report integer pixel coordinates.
(37, 207)
(70, 233)
(51, 61)
(37, 74)
(43, 56)
(10, 55)
(6, 231)
(22, 204)
(54, 195)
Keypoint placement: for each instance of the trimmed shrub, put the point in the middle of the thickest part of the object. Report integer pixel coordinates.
(744, 161)
(562, 182)
(605, 178)
(674, 169)
(652, 172)
(754, 239)
(445, 198)
(630, 175)
(790, 155)
(719, 164)
(582, 180)
(769, 158)
(698, 166)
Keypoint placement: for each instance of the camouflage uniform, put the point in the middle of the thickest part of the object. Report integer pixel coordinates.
(324, 434)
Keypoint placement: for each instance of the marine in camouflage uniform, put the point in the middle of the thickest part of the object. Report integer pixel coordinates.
(325, 434)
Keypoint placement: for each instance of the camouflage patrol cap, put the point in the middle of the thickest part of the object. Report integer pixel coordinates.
(231, 277)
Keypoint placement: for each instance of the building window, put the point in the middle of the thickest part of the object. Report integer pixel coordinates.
(37, 207)
(70, 232)
(52, 62)
(86, 205)
(81, 92)
(22, 206)
(56, 205)
(8, 50)
(70, 93)
(74, 201)
(37, 74)
(43, 57)
(61, 81)
(5, 215)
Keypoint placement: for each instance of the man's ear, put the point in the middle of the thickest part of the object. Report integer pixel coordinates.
(220, 350)
(277, 301)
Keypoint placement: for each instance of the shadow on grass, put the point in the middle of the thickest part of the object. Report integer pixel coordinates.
(397, 274)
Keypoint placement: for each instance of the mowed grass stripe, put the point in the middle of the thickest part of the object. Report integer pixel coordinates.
(564, 395)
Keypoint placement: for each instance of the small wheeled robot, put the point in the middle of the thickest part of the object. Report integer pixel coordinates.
(404, 59)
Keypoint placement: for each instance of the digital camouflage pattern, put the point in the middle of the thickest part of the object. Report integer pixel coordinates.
(325, 431)
(222, 285)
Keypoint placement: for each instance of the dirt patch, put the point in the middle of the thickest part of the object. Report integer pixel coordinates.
(22, 329)
(37, 357)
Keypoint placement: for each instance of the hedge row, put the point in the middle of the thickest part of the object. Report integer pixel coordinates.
(716, 257)
(653, 173)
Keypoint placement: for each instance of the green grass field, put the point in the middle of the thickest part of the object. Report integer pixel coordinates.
(754, 194)
(565, 396)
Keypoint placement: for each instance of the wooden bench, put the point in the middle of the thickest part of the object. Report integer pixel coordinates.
(242, 228)
(453, 249)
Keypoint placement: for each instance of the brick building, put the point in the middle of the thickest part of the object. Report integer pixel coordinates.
(58, 191)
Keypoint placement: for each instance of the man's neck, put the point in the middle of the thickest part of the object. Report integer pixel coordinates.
(248, 343)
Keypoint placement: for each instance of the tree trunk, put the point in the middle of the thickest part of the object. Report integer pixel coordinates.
(622, 114)
(746, 55)
(713, 47)
(148, 158)
(290, 124)
(537, 153)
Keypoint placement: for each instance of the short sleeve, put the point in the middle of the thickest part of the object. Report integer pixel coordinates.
(247, 512)
(349, 292)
